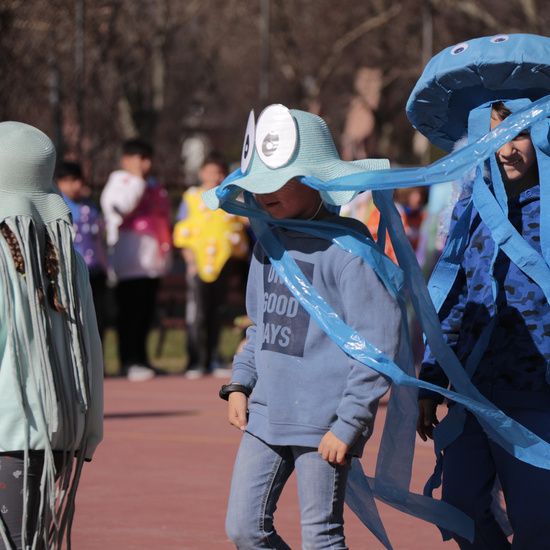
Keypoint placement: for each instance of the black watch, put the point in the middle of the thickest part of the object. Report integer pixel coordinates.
(226, 390)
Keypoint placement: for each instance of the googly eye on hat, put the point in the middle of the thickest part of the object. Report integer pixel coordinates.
(284, 144)
(27, 162)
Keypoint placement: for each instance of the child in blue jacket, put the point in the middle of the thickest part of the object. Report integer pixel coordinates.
(496, 316)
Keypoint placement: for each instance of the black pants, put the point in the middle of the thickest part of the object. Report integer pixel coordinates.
(214, 304)
(98, 282)
(136, 301)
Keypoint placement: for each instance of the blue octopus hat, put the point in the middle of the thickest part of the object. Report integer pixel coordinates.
(469, 74)
(286, 144)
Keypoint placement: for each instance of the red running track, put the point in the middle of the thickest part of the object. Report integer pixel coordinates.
(160, 478)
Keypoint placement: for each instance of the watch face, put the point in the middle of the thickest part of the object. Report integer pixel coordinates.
(223, 392)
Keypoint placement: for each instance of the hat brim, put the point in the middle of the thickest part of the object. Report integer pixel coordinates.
(41, 206)
(453, 84)
(269, 181)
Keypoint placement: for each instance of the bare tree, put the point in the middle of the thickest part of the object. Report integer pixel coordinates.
(93, 73)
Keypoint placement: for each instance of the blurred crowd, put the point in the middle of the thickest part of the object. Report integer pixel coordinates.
(138, 242)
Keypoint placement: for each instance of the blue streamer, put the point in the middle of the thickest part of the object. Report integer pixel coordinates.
(452, 167)
(358, 348)
(509, 434)
(538, 451)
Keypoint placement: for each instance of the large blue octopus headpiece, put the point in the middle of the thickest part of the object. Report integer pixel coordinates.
(467, 75)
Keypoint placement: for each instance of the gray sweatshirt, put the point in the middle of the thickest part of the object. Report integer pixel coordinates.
(304, 384)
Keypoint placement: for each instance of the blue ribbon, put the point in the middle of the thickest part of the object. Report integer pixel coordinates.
(509, 434)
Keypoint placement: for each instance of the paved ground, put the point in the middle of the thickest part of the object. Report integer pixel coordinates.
(160, 479)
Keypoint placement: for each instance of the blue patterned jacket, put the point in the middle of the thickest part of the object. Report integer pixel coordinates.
(512, 370)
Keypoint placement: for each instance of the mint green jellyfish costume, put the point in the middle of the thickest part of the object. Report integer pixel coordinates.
(51, 366)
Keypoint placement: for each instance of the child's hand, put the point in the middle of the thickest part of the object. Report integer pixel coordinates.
(427, 419)
(237, 412)
(333, 450)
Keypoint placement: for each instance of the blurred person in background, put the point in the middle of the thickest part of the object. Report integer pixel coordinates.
(137, 216)
(89, 238)
(216, 248)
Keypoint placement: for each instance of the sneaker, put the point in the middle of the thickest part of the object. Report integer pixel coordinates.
(220, 369)
(193, 373)
(139, 373)
(222, 372)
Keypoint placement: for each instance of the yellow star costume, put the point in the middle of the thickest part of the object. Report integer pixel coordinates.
(213, 236)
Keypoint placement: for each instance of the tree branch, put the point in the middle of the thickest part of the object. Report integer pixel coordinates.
(341, 44)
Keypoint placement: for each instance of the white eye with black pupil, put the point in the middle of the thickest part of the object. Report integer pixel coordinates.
(248, 145)
(459, 48)
(499, 38)
(276, 136)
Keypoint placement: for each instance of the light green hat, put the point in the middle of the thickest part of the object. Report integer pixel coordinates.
(27, 162)
(286, 144)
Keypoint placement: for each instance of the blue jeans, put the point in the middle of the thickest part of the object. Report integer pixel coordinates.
(260, 474)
